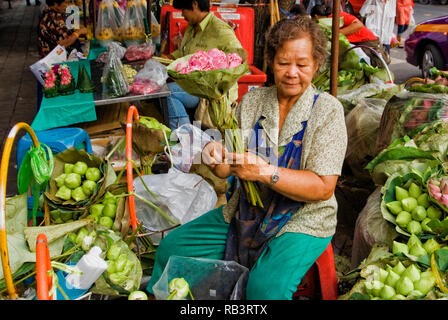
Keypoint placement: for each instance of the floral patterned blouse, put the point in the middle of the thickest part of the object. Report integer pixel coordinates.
(52, 29)
(324, 147)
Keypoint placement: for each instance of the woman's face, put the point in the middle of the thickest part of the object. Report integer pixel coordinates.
(294, 67)
(192, 16)
(61, 7)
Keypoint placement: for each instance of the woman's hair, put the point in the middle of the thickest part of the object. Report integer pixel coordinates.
(203, 5)
(297, 28)
(51, 3)
(320, 10)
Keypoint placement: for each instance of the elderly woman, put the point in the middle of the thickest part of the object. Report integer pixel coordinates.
(296, 141)
(54, 31)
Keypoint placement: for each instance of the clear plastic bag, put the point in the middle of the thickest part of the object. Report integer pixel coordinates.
(133, 24)
(150, 78)
(362, 124)
(409, 111)
(114, 81)
(191, 142)
(118, 17)
(208, 279)
(370, 228)
(182, 196)
(140, 52)
(107, 27)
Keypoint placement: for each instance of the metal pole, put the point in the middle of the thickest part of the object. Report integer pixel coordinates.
(335, 48)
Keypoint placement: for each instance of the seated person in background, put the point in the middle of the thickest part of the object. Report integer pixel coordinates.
(53, 30)
(205, 31)
(356, 32)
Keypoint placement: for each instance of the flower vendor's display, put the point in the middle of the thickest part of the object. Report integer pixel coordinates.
(210, 75)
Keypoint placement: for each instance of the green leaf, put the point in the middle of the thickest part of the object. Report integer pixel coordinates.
(359, 296)
(399, 153)
(441, 256)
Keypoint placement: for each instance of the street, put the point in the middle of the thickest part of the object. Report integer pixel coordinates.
(403, 70)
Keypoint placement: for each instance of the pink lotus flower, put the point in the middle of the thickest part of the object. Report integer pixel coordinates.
(218, 59)
(233, 60)
(200, 59)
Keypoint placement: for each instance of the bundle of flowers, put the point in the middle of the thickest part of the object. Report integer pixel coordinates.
(65, 79)
(211, 75)
(50, 87)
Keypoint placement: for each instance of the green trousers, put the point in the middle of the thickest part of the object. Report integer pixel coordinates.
(277, 272)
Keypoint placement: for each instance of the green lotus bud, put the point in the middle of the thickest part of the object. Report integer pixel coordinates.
(181, 287)
(55, 214)
(392, 279)
(107, 222)
(66, 215)
(120, 263)
(78, 194)
(60, 180)
(411, 272)
(398, 297)
(415, 293)
(387, 292)
(117, 278)
(64, 193)
(80, 168)
(431, 245)
(417, 250)
(423, 200)
(109, 198)
(425, 226)
(68, 168)
(114, 252)
(111, 268)
(383, 275)
(87, 243)
(413, 239)
(81, 234)
(419, 213)
(433, 212)
(427, 274)
(88, 187)
(72, 236)
(93, 174)
(95, 218)
(376, 287)
(72, 180)
(96, 209)
(399, 268)
(424, 285)
(404, 286)
(409, 204)
(109, 210)
(414, 190)
(403, 218)
(398, 247)
(137, 295)
(394, 207)
(401, 193)
(369, 287)
(414, 227)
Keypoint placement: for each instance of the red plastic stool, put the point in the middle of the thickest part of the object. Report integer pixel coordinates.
(320, 281)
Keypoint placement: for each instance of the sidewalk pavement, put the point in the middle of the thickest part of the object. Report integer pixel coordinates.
(18, 50)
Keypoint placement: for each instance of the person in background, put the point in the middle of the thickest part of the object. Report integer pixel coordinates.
(53, 31)
(298, 9)
(355, 31)
(380, 19)
(296, 139)
(205, 31)
(404, 12)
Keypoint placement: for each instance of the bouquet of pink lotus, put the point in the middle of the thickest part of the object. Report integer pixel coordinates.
(50, 87)
(66, 82)
(210, 75)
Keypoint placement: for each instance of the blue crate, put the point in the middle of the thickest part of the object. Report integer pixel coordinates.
(58, 139)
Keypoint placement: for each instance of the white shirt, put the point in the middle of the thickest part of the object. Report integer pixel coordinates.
(380, 18)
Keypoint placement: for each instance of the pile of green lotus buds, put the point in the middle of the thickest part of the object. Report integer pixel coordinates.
(104, 212)
(412, 209)
(77, 182)
(86, 240)
(415, 247)
(398, 282)
(119, 267)
(438, 190)
(63, 216)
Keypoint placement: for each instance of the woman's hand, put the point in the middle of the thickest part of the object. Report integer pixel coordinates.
(81, 31)
(248, 166)
(213, 154)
